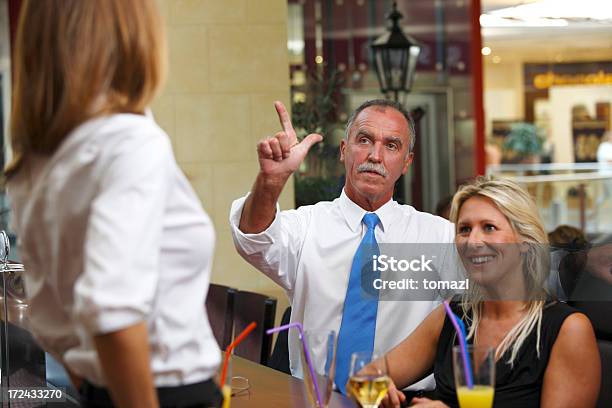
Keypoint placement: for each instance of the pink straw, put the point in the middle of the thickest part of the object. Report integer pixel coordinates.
(300, 328)
(463, 343)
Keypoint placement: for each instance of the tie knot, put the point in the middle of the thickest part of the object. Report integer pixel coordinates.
(371, 220)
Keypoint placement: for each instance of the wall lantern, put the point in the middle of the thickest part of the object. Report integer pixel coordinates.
(395, 57)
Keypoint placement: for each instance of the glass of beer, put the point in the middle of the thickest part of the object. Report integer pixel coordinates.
(322, 350)
(482, 368)
(368, 382)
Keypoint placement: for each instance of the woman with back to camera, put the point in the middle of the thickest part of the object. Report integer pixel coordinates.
(116, 245)
(545, 352)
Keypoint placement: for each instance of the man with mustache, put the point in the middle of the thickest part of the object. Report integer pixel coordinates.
(312, 251)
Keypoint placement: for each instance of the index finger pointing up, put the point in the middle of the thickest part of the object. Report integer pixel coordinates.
(285, 120)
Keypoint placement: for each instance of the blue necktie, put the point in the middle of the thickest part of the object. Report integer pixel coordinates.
(360, 305)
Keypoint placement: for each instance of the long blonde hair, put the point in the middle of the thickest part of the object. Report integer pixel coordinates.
(522, 213)
(75, 60)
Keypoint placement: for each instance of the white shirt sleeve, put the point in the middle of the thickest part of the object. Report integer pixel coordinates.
(122, 248)
(276, 250)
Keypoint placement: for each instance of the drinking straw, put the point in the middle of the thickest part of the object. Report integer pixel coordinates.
(461, 333)
(233, 344)
(298, 325)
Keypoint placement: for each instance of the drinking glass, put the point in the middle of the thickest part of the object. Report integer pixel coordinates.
(482, 366)
(368, 381)
(322, 350)
(235, 385)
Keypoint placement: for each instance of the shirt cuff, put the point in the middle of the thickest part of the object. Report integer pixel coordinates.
(252, 243)
(97, 321)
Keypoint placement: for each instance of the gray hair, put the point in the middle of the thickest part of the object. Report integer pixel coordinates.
(384, 103)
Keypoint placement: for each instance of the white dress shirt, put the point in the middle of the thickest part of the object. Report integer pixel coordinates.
(112, 234)
(309, 252)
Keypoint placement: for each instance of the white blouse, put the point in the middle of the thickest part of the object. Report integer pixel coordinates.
(112, 234)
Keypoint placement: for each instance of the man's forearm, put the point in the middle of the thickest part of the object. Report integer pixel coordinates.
(124, 356)
(260, 207)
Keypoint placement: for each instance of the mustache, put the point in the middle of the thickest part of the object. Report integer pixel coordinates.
(375, 167)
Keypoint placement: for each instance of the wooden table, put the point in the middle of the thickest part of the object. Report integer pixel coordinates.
(271, 388)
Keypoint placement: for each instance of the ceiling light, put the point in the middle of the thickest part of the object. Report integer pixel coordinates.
(487, 20)
(485, 51)
(555, 9)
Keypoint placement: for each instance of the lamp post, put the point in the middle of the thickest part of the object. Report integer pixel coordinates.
(395, 60)
(395, 57)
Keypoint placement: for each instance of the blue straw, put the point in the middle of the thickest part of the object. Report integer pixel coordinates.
(461, 333)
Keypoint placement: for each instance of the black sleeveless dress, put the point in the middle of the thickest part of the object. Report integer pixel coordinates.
(517, 386)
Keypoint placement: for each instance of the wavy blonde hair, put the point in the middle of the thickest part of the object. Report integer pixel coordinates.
(522, 213)
(75, 60)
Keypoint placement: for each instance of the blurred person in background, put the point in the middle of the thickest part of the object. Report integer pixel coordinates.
(566, 236)
(493, 154)
(569, 249)
(444, 206)
(116, 245)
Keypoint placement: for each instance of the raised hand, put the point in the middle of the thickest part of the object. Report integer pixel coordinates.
(279, 156)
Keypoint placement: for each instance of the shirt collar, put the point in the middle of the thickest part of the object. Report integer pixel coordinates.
(353, 213)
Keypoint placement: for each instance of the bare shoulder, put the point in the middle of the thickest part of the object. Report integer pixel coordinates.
(576, 327)
(435, 320)
(438, 314)
(576, 340)
(573, 372)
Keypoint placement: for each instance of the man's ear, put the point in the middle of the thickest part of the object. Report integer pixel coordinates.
(342, 147)
(408, 162)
